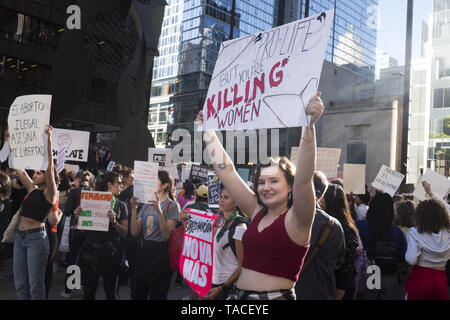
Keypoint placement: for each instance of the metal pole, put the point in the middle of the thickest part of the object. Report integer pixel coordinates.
(406, 89)
(306, 8)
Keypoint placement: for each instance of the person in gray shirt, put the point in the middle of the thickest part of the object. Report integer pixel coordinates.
(317, 281)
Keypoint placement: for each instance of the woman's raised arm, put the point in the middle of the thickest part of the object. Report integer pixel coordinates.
(240, 192)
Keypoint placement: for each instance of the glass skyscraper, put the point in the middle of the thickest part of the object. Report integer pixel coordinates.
(353, 38)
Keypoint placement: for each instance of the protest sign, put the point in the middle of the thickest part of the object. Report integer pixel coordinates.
(27, 121)
(61, 158)
(71, 167)
(64, 244)
(439, 184)
(243, 173)
(94, 210)
(199, 172)
(388, 180)
(145, 181)
(76, 142)
(266, 80)
(161, 156)
(4, 153)
(354, 178)
(294, 155)
(214, 190)
(196, 260)
(327, 160)
(111, 165)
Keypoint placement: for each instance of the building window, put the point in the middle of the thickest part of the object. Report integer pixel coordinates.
(356, 152)
(438, 98)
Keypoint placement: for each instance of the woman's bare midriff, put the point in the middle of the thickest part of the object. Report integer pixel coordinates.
(257, 281)
(28, 223)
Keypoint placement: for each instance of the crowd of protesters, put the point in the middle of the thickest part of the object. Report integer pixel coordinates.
(292, 234)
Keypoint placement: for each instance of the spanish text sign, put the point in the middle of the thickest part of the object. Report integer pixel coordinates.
(76, 142)
(388, 180)
(27, 120)
(266, 80)
(196, 260)
(327, 161)
(94, 210)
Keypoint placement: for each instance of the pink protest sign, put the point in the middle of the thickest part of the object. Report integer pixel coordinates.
(196, 260)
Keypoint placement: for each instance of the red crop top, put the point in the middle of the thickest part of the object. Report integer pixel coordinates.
(272, 251)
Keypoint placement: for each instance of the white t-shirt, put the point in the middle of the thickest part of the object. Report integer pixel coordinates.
(361, 212)
(225, 262)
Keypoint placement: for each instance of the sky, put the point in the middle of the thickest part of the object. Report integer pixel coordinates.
(392, 27)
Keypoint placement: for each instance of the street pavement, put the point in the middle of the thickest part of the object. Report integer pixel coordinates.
(7, 291)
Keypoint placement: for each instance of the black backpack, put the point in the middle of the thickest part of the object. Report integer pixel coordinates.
(239, 220)
(385, 255)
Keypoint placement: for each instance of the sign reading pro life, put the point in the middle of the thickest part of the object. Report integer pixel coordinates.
(266, 80)
(196, 260)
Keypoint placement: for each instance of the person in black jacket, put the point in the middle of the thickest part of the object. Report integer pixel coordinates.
(101, 252)
(76, 237)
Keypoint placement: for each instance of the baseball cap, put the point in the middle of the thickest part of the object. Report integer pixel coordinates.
(202, 191)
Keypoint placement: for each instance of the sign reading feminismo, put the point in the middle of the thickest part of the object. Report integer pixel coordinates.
(94, 210)
(266, 80)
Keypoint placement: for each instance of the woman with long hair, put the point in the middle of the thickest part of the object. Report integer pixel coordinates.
(428, 251)
(384, 243)
(101, 252)
(188, 196)
(281, 206)
(155, 222)
(334, 202)
(31, 244)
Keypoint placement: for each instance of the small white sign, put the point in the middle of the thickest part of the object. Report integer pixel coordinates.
(161, 156)
(327, 161)
(94, 210)
(145, 181)
(439, 184)
(388, 180)
(354, 178)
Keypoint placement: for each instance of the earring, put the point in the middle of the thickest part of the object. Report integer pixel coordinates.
(290, 195)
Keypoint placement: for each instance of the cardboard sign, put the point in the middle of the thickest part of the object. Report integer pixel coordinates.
(294, 155)
(145, 181)
(388, 180)
(71, 167)
(196, 260)
(266, 80)
(76, 142)
(27, 120)
(61, 158)
(161, 156)
(199, 172)
(94, 210)
(354, 178)
(327, 161)
(214, 190)
(439, 184)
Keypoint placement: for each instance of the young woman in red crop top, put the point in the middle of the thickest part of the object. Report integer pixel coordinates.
(281, 206)
(31, 244)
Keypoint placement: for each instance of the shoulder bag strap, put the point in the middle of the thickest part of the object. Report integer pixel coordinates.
(325, 233)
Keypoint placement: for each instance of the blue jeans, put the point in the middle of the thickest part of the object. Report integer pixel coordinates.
(29, 262)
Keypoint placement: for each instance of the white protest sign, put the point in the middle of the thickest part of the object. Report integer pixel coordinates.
(111, 165)
(27, 120)
(94, 210)
(145, 181)
(61, 158)
(354, 178)
(161, 156)
(71, 167)
(327, 160)
(266, 80)
(388, 180)
(294, 155)
(4, 153)
(439, 184)
(76, 142)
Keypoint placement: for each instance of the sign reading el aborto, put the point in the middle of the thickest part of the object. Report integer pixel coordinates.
(266, 80)
(94, 210)
(27, 120)
(196, 260)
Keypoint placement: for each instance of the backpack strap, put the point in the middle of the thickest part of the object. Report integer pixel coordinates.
(325, 233)
(231, 231)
